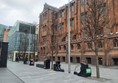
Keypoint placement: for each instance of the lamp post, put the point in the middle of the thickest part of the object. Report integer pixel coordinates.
(69, 66)
(29, 43)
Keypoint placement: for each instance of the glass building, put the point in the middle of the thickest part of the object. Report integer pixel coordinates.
(22, 41)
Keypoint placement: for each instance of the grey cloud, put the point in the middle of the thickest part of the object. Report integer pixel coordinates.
(25, 10)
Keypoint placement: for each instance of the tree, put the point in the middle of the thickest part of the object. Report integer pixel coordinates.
(23, 44)
(54, 44)
(94, 21)
(33, 45)
(54, 49)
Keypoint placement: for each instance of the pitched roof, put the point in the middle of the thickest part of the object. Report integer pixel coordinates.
(46, 6)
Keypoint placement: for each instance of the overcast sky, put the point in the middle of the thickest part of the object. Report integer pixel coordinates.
(24, 10)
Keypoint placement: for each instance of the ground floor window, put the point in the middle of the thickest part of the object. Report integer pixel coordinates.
(71, 59)
(53, 58)
(115, 60)
(100, 61)
(78, 59)
(88, 60)
(63, 59)
(58, 58)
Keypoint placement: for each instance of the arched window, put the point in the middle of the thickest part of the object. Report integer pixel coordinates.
(78, 46)
(115, 42)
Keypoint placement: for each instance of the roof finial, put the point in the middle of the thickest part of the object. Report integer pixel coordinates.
(45, 4)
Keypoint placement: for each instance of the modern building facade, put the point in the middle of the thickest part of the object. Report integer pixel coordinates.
(53, 31)
(22, 41)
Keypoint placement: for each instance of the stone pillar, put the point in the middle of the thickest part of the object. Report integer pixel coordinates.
(14, 56)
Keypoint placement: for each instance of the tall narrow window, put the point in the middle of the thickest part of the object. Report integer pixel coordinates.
(89, 45)
(100, 45)
(78, 46)
(74, 37)
(62, 13)
(72, 47)
(64, 47)
(59, 47)
(72, 22)
(41, 51)
(44, 51)
(45, 16)
(61, 25)
(115, 42)
(72, 7)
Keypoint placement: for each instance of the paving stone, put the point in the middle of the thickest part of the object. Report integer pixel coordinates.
(7, 76)
(33, 74)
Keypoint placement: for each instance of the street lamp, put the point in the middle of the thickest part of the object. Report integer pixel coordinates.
(69, 66)
(29, 43)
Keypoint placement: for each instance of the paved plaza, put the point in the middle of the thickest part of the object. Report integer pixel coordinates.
(6, 76)
(21, 73)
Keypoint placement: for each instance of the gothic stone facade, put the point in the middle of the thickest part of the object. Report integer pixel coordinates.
(53, 32)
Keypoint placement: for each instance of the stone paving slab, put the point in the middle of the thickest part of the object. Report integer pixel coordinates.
(7, 76)
(32, 74)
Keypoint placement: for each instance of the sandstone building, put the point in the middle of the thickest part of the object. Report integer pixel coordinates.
(53, 35)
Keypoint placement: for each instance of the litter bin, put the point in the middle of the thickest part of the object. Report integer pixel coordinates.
(85, 70)
(57, 67)
(25, 61)
(31, 62)
(47, 64)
